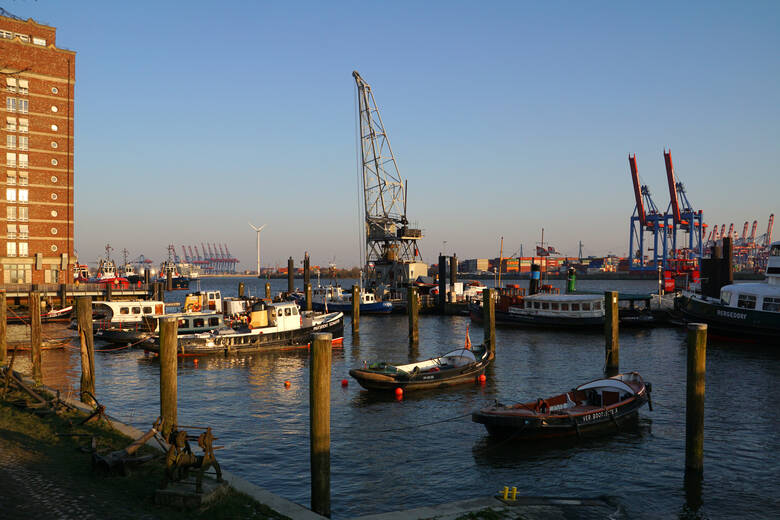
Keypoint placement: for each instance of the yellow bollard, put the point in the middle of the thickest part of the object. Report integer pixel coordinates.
(506, 492)
(514, 493)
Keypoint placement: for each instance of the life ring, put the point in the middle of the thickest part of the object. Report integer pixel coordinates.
(195, 307)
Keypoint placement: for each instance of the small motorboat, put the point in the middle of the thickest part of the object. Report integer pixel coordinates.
(52, 316)
(602, 405)
(463, 365)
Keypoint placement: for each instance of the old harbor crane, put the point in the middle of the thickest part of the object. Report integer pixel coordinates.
(391, 245)
(681, 216)
(646, 219)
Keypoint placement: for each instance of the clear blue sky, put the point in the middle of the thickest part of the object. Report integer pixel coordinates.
(194, 118)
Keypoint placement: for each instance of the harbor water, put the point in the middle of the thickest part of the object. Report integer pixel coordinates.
(389, 454)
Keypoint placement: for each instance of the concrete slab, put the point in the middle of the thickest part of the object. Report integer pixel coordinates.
(182, 495)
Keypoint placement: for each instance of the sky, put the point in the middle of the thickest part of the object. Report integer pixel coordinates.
(194, 119)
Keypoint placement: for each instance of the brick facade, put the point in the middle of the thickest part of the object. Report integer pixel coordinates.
(36, 136)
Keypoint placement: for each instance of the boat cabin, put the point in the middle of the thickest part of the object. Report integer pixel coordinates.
(203, 301)
(126, 312)
(560, 305)
(760, 296)
(283, 315)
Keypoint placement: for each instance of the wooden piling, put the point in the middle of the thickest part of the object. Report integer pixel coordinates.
(412, 307)
(240, 289)
(453, 271)
(168, 390)
(3, 328)
(63, 295)
(611, 334)
(355, 309)
(306, 270)
(147, 277)
(489, 318)
(34, 303)
(108, 292)
(319, 422)
(307, 292)
(268, 290)
(694, 402)
(169, 281)
(442, 284)
(87, 341)
(290, 275)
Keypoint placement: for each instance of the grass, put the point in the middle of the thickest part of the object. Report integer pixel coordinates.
(58, 460)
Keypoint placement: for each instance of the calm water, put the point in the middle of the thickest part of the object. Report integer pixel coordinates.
(389, 455)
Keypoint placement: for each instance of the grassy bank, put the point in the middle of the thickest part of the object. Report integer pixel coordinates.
(43, 474)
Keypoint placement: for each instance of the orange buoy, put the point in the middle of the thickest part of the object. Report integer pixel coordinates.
(195, 361)
(287, 384)
(482, 378)
(399, 392)
(344, 382)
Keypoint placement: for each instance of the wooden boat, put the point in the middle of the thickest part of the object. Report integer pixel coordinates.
(52, 316)
(598, 406)
(188, 323)
(458, 366)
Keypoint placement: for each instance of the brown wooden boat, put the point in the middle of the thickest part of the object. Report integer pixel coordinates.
(602, 405)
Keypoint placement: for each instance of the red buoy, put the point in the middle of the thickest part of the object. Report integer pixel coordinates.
(482, 378)
(399, 392)
(287, 384)
(195, 361)
(344, 382)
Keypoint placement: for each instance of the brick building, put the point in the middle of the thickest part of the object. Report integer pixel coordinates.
(37, 82)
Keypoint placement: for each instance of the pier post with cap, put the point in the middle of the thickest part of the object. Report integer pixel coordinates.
(168, 375)
(290, 275)
(34, 303)
(240, 289)
(319, 422)
(611, 334)
(413, 308)
(694, 401)
(169, 281)
(63, 295)
(87, 344)
(307, 292)
(3, 327)
(355, 309)
(489, 318)
(268, 290)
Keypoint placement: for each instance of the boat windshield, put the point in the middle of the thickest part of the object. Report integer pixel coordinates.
(775, 251)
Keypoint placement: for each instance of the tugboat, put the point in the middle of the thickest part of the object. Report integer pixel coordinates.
(333, 298)
(170, 267)
(107, 275)
(743, 310)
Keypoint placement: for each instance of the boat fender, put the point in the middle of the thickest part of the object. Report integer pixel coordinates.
(415, 371)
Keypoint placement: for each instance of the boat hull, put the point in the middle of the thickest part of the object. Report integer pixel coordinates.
(507, 318)
(365, 308)
(372, 380)
(731, 322)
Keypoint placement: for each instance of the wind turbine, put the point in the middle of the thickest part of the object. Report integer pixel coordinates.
(257, 230)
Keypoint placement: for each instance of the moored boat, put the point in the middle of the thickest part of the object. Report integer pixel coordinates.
(599, 406)
(334, 298)
(50, 316)
(463, 365)
(271, 326)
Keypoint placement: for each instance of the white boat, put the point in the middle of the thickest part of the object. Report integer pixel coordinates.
(334, 298)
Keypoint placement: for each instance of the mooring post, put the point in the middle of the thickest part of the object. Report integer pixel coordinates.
(63, 295)
(168, 396)
(169, 281)
(240, 289)
(147, 277)
(268, 290)
(108, 292)
(3, 328)
(489, 318)
(611, 334)
(319, 421)
(307, 292)
(412, 306)
(571, 280)
(355, 309)
(87, 341)
(290, 275)
(34, 303)
(442, 284)
(306, 270)
(694, 402)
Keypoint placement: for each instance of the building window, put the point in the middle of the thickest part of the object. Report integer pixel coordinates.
(11, 232)
(23, 160)
(53, 196)
(24, 231)
(24, 37)
(54, 213)
(10, 177)
(38, 41)
(10, 104)
(55, 90)
(23, 213)
(54, 109)
(54, 144)
(24, 87)
(10, 84)
(24, 125)
(54, 162)
(10, 249)
(23, 194)
(10, 124)
(54, 231)
(24, 142)
(23, 250)
(10, 142)
(6, 34)
(10, 194)
(54, 128)
(22, 106)
(10, 159)
(54, 178)
(17, 273)
(10, 213)
(24, 178)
